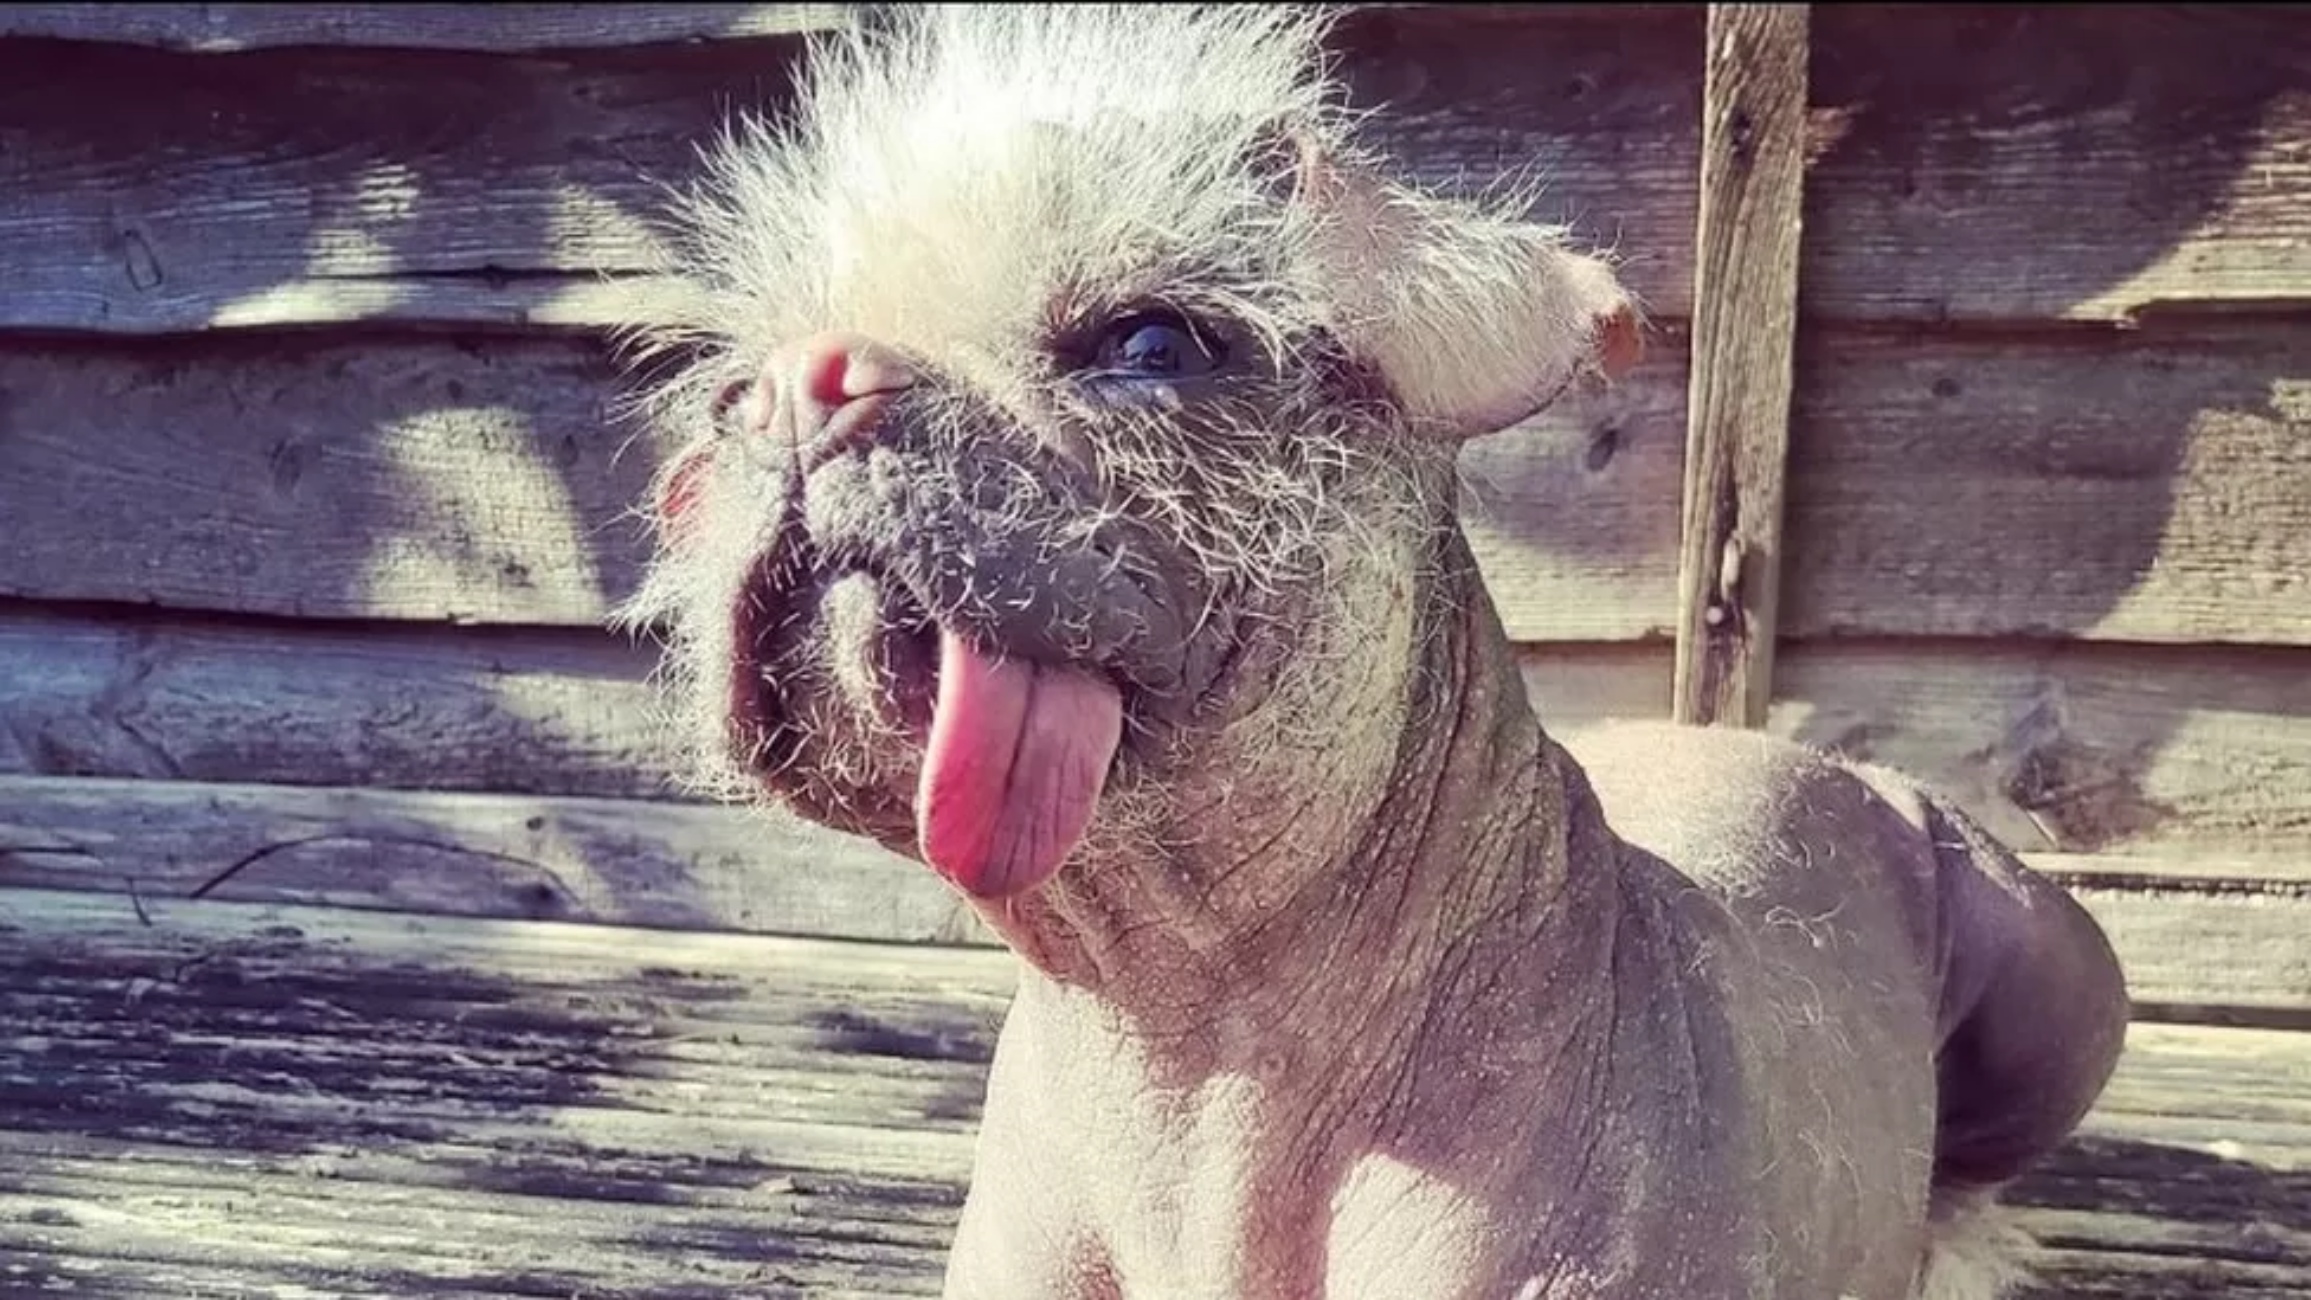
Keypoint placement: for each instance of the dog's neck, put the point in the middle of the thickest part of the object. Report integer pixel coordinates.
(1485, 848)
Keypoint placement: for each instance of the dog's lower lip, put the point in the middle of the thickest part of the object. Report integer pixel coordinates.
(897, 646)
(910, 664)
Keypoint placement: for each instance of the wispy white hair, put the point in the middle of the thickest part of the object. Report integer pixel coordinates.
(957, 164)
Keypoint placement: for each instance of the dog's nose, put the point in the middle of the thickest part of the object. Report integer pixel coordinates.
(822, 386)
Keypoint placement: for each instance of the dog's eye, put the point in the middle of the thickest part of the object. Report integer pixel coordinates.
(1155, 345)
(722, 413)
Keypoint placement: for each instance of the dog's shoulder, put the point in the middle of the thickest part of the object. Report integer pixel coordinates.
(1764, 822)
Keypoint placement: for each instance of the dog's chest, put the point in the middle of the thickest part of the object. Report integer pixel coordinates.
(1186, 1203)
(1231, 1203)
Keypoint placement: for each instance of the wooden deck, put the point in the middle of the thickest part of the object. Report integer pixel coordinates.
(354, 940)
(207, 1098)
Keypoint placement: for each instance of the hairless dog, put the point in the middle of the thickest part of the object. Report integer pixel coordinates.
(1064, 409)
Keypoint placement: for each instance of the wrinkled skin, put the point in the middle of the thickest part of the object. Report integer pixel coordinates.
(1341, 977)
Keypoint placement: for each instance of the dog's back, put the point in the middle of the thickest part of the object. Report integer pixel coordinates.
(1860, 927)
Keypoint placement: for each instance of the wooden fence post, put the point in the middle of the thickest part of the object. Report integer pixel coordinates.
(1744, 328)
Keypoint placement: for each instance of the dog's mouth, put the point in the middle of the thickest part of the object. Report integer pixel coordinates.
(1008, 754)
(945, 639)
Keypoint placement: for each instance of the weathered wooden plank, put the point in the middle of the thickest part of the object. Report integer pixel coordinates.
(1988, 164)
(2147, 501)
(529, 710)
(2193, 955)
(2144, 489)
(401, 1108)
(478, 189)
(2148, 489)
(286, 1100)
(2195, 946)
(517, 28)
(2180, 752)
(568, 711)
(2077, 169)
(619, 861)
(219, 28)
(1753, 118)
(416, 480)
(2189, 1179)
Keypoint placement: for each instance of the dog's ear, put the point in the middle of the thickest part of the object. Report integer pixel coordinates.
(1476, 320)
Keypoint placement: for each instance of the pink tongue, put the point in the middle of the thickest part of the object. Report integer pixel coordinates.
(1017, 756)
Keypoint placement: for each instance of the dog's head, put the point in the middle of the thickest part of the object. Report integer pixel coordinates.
(1064, 430)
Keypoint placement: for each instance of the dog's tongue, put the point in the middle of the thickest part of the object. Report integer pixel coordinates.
(1017, 755)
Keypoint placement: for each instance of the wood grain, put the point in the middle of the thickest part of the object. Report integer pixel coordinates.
(505, 28)
(1982, 162)
(1989, 164)
(2147, 488)
(285, 1098)
(2194, 946)
(432, 480)
(555, 711)
(220, 28)
(615, 861)
(566, 711)
(2141, 489)
(1753, 117)
(2175, 751)
(386, 1105)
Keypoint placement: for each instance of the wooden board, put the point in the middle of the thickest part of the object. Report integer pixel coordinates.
(566, 711)
(2196, 945)
(1986, 164)
(2079, 169)
(2181, 750)
(1746, 236)
(626, 862)
(395, 1106)
(365, 1105)
(219, 28)
(222, 28)
(2145, 489)
(426, 480)
(2174, 751)
(2153, 491)
(2178, 752)
(2149, 489)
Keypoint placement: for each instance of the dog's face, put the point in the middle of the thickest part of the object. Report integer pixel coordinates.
(1065, 428)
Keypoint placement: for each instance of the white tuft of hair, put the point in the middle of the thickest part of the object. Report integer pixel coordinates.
(1975, 1250)
(952, 163)
(955, 176)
